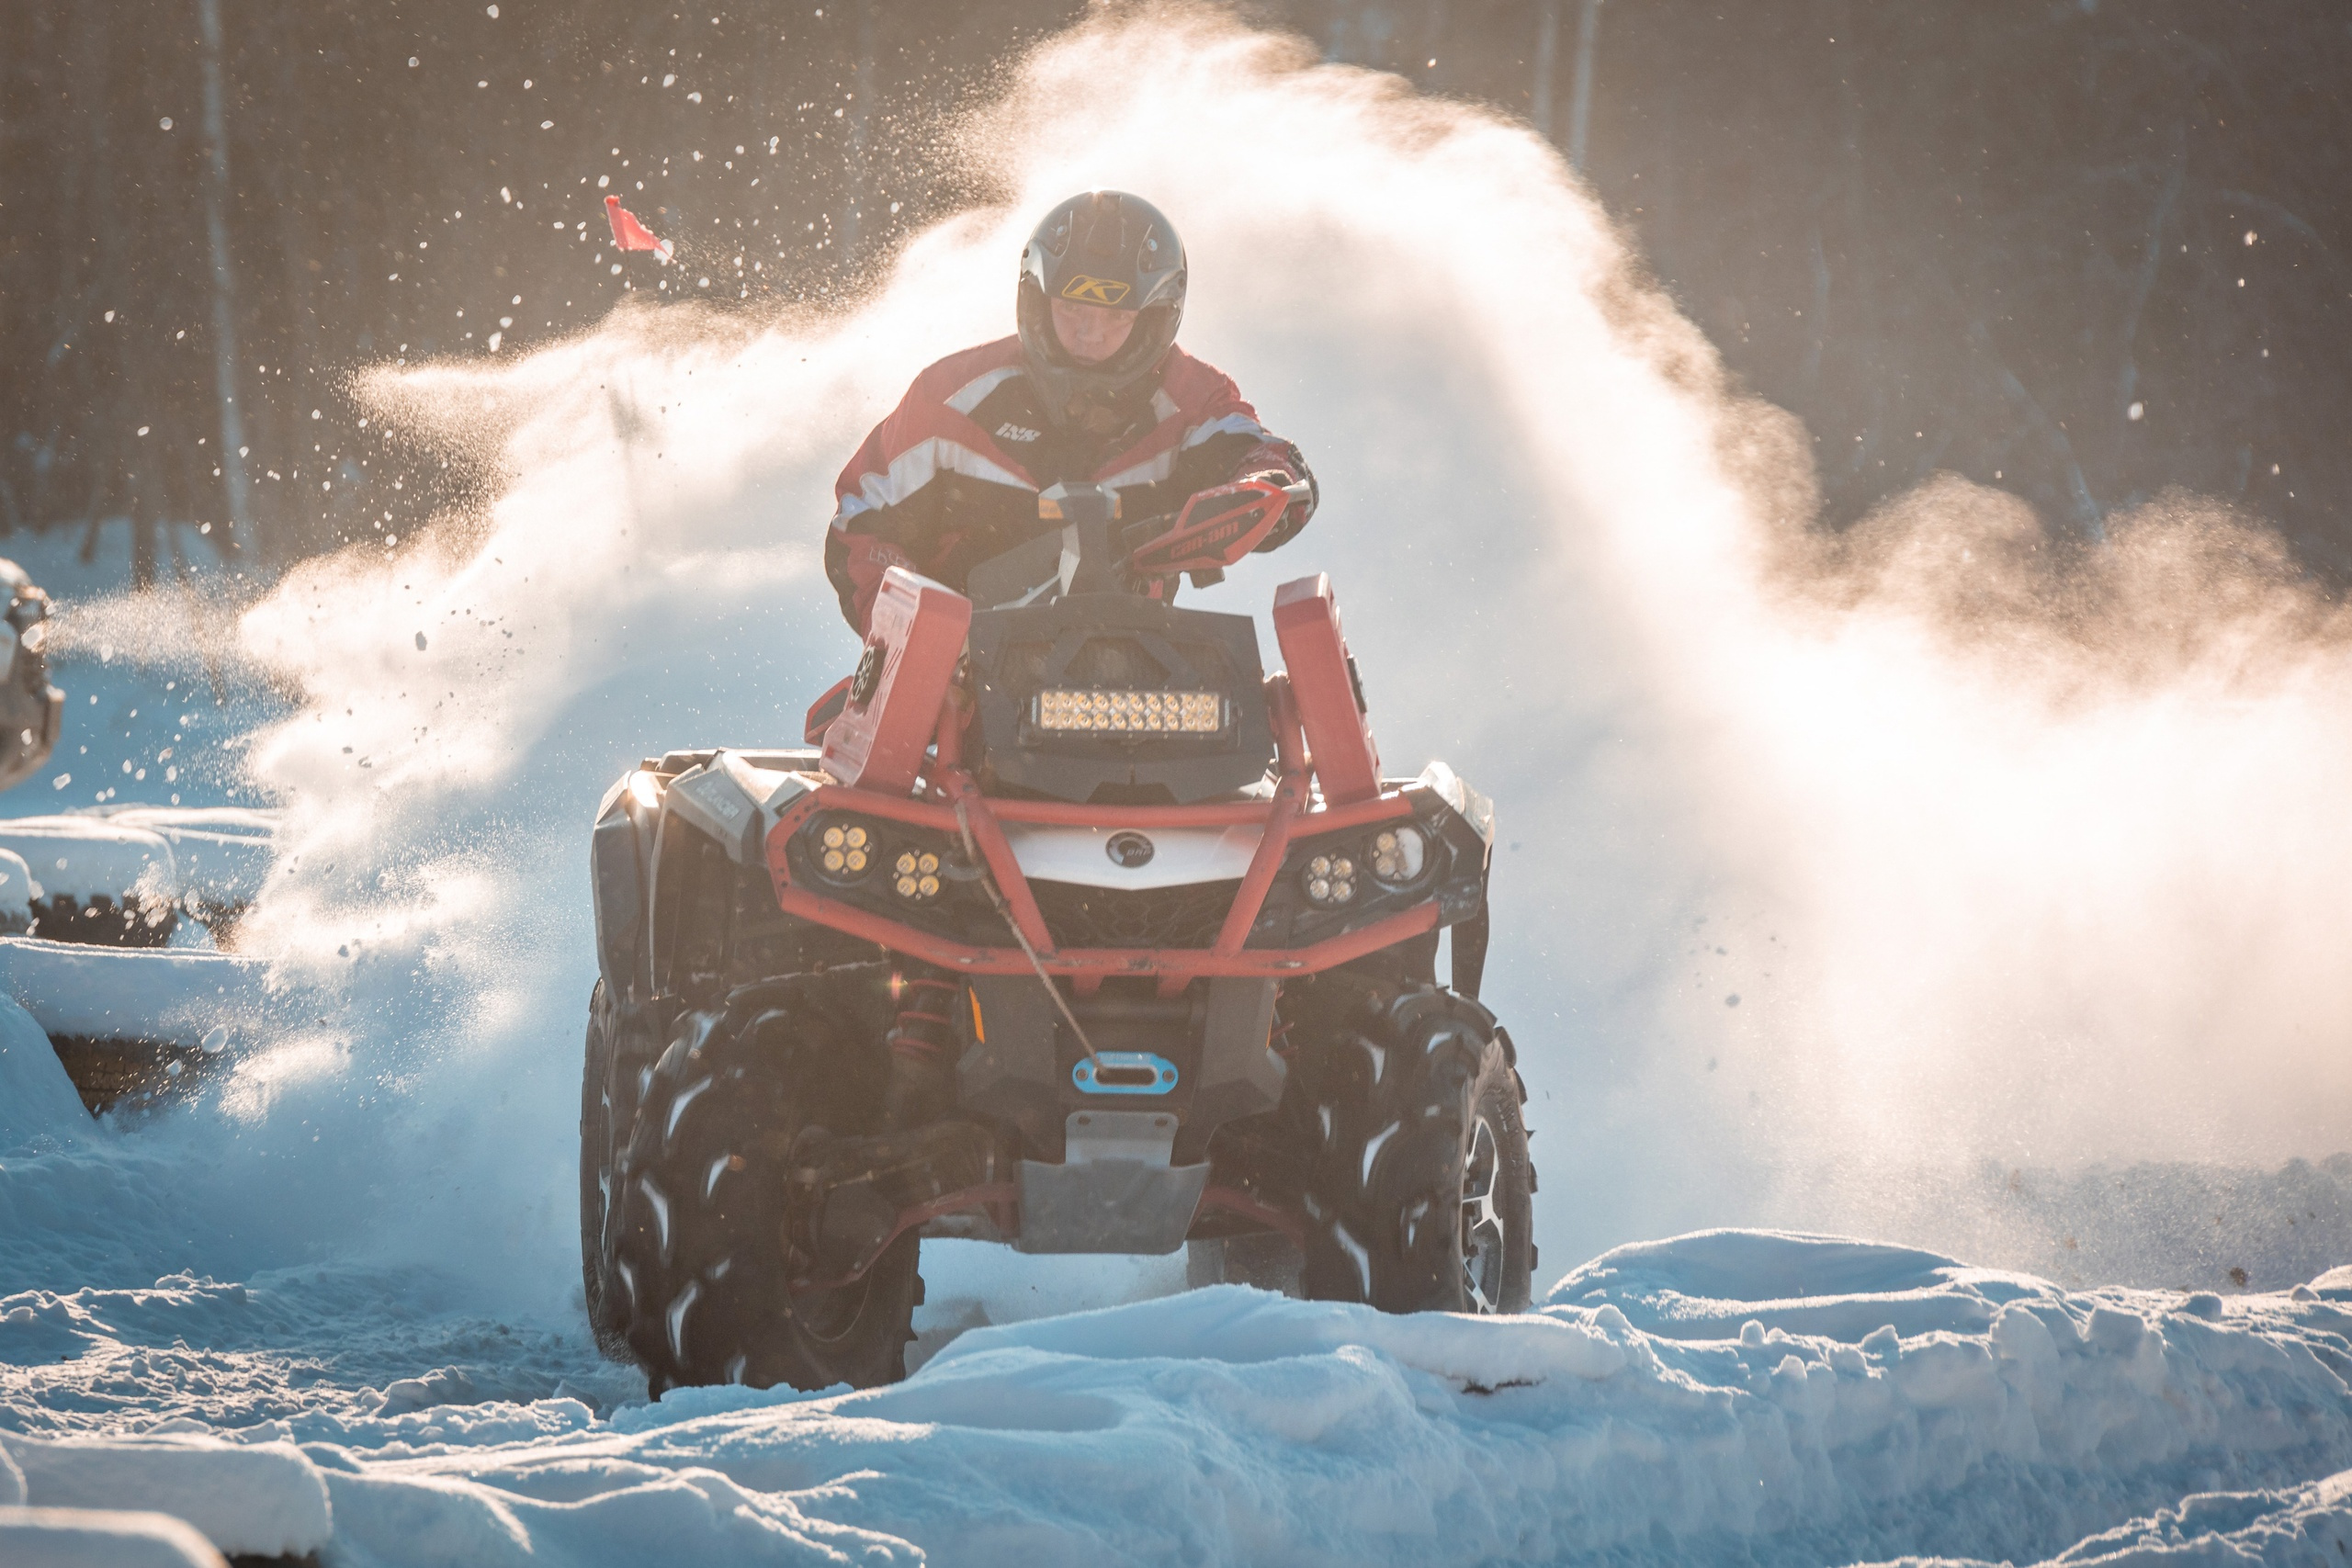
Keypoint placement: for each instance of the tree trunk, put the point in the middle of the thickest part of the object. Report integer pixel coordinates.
(235, 490)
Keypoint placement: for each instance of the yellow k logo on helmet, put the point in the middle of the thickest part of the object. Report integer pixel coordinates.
(1094, 290)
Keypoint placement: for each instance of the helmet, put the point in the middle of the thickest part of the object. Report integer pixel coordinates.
(1102, 248)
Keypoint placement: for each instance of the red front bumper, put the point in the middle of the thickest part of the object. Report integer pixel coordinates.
(1280, 821)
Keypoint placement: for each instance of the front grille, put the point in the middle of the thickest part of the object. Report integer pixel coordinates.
(1079, 915)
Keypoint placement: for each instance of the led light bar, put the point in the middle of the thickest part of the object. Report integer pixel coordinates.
(1131, 713)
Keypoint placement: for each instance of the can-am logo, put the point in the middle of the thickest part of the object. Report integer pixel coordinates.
(1094, 290)
(1129, 850)
(869, 679)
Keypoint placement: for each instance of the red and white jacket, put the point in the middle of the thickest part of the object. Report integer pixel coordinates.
(951, 478)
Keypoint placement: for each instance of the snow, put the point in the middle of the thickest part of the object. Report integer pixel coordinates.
(38, 1109)
(86, 855)
(223, 854)
(1868, 1401)
(2298, 1526)
(16, 888)
(343, 1266)
(111, 1538)
(167, 995)
(263, 1499)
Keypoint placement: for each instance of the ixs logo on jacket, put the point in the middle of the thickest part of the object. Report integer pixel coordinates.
(1094, 290)
(1010, 431)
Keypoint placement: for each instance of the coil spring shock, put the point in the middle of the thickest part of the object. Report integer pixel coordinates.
(925, 1032)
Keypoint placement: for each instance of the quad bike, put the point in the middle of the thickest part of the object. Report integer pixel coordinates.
(1160, 935)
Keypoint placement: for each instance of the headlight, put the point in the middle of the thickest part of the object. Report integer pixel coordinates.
(916, 875)
(1130, 713)
(1399, 854)
(844, 849)
(1330, 881)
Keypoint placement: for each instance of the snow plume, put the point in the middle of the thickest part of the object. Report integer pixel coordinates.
(1827, 868)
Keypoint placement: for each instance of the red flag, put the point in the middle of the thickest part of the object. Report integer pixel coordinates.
(631, 235)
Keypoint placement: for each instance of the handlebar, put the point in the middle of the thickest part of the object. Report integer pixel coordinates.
(1236, 517)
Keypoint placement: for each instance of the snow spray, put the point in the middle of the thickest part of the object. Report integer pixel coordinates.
(1827, 868)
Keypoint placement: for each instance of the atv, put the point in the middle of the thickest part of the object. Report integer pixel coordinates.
(1162, 936)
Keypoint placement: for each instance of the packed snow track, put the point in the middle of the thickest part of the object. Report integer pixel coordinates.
(1724, 1397)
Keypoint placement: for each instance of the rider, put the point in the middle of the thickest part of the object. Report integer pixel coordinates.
(1091, 389)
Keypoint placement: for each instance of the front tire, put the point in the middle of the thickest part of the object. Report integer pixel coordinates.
(703, 1186)
(1420, 1193)
(616, 1062)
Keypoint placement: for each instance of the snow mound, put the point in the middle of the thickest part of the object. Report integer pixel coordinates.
(1707, 1284)
(93, 1538)
(261, 1499)
(38, 1109)
(17, 887)
(219, 855)
(2336, 1281)
(171, 995)
(2302, 1526)
(84, 857)
(1862, 1401)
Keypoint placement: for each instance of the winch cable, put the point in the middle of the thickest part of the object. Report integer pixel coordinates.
(989, 887)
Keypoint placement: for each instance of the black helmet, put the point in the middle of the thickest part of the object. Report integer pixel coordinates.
(1102, 248)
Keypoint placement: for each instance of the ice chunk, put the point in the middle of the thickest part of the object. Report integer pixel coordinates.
(2116, 1332)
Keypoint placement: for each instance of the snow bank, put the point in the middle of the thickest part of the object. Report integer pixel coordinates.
(93, 1538)
(263, 1499)
(16, 886)
(1866, 1401)
(2301, 1526)
(83, 856)
(171, 995)
(38, 1106)
(221, 855)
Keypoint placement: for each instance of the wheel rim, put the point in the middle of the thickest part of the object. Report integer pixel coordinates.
(1482, 1233)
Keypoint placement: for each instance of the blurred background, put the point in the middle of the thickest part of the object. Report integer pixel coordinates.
(2082, 252)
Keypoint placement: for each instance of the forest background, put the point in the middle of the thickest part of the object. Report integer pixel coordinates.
(2080, 251)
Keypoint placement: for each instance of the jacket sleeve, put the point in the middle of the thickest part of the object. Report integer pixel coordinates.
(873, 530)
(1227, 443)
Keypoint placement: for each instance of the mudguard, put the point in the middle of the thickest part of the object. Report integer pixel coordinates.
(918, 629)
(1330, 696)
